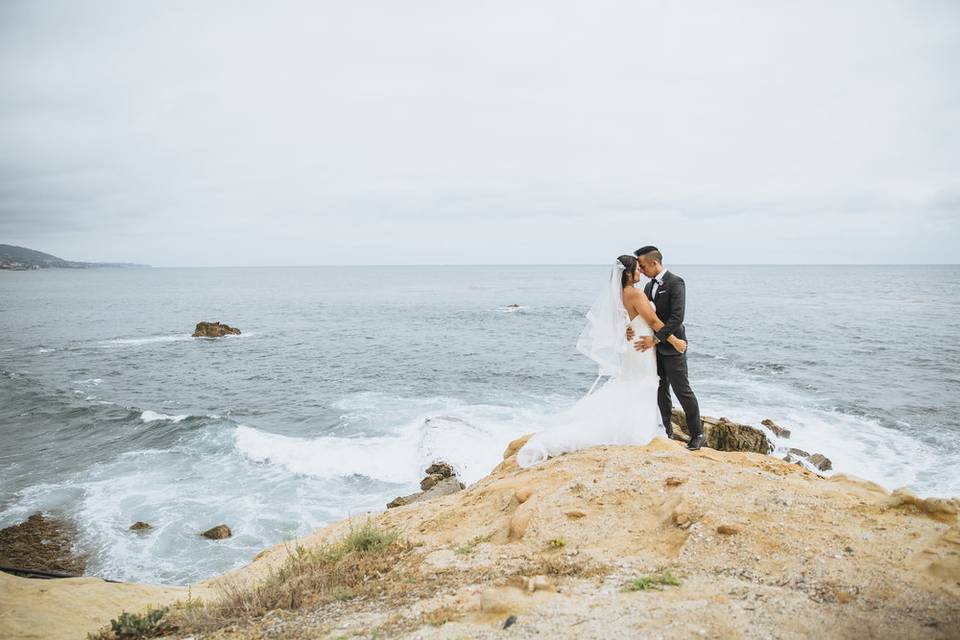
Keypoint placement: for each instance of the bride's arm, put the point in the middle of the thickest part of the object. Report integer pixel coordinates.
(649, 316)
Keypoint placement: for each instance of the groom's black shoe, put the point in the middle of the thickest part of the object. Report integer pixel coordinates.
(696, 442)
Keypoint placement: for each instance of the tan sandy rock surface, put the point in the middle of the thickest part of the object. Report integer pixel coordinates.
(761, 548)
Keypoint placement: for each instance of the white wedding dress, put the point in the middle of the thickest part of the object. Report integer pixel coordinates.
(622, 411)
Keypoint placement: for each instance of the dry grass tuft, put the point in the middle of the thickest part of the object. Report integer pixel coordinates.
(441, 616)
(564, 566)
(362, 564)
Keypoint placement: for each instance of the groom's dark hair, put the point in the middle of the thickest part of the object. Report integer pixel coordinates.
(649, 251)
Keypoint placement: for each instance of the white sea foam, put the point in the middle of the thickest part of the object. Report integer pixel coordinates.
(153, 416)
(89, 381)
(132, 342)
(469, 437)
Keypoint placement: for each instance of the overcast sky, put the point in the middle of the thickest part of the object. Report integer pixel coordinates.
(205, 133)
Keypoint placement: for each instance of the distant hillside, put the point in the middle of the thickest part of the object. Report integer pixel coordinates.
(21, 259)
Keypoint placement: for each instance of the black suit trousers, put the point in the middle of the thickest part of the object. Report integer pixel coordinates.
(673, 374)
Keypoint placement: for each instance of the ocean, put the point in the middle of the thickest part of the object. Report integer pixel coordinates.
(347, 381)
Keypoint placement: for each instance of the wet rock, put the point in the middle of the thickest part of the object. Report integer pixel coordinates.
(441, 469)
(218, 532)
(799, 452)
(821, 462)
(214, 330)
(429, 481)
(726, 435)
(441, 480)
(140, 526)
(41, 543)
(778, 431)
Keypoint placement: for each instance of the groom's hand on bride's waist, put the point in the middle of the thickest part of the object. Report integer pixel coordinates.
(644, 343)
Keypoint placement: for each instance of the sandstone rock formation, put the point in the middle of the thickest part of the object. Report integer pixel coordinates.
(441, 480)
(214, 330)
(218, 532)
(761, 548)
(725, 435)
(758, 547)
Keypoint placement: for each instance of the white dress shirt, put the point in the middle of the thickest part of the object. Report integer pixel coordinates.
(657, 281)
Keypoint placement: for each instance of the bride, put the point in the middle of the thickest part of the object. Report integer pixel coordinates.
(624, 410)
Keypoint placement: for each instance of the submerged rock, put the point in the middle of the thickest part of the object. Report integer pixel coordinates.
(726, 435)
(140, 526)
(218, 532)
(441, 480)
(214, 330)
(41, 543)
(778, 431)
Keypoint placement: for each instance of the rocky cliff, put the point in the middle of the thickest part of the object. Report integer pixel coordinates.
(652, 541)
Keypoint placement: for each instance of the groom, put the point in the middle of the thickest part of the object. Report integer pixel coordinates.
(668, 293)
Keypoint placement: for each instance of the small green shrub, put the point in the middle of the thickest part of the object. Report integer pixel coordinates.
(644, 583)
(132, 626)
(368, 538)
(556, 543)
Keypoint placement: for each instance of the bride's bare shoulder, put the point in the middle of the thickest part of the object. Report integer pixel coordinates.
(631, 293)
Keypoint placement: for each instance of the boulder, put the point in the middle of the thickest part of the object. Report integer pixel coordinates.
(219, 532)
(726, 435)
(441, 480)
(821, 462)
(140, 526)
(214, 330)
(778, 431)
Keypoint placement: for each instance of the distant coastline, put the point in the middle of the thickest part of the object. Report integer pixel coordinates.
(14, 258)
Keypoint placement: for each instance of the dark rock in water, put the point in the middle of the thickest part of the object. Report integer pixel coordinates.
(441, 469)
(214, 330)
(435, 473)
(140, 526)
(441, 480)
(778, 431)
(725, 435)
(41, 543)
(799, 452)
(821, 462)
(219, 532)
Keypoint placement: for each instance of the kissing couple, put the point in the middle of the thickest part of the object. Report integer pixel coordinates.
(638, 340)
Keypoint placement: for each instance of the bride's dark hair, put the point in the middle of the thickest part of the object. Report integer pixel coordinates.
(629, 266)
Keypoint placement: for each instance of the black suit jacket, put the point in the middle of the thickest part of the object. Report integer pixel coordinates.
(671, 303)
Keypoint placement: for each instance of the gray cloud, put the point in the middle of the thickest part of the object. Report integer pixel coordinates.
(180, 133)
